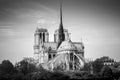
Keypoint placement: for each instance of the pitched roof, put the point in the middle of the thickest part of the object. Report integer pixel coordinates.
(50, 45)
(67, 45)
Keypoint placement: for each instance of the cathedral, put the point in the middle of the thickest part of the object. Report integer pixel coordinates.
(62, 52)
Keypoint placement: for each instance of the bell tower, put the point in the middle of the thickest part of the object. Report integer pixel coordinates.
(41, 36)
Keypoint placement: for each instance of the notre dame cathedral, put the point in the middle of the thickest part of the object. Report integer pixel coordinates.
(62, 52)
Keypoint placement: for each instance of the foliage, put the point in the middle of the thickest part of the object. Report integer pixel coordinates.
(97, 66)
(106, 71)
(18, 76)
(25, 67)
(6, 67)
(116, 73)
(58, 76)
(117, 64)
(86, 67)
(25, 70)
(6, 70)
(58, 68)
(47, 75)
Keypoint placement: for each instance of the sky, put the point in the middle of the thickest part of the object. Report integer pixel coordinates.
(94, 22)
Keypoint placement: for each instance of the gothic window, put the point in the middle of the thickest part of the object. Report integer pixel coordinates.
(43, 37)
(71, 56)
(76, 63)
(71, 61)
(49, 56)
(40, 35)
(71, 66)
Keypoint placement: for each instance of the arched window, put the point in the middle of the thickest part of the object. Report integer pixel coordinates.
(40, 35)
(71, 56)
(49, 56)
(71, 61)
(43, 37)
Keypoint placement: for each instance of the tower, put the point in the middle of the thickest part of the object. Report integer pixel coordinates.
(61, 35)
(41, 36)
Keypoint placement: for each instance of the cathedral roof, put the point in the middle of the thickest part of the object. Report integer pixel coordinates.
(50, 45)
(67, 45)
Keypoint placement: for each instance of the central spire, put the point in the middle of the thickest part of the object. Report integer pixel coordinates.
(61, 22)
(61, 35)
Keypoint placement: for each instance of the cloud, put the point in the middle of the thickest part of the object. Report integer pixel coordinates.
(5, 27)
(23, 10)
(41, 21)
(45, 21)
(6, 31)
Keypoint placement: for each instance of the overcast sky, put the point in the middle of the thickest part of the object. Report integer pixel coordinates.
(97, 22)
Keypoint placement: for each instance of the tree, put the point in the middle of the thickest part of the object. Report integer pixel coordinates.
(117, 64)
(25, 67)
(86, 67)
(116, 73)
(6, 67)
(6, 70)
(58, 68)
(97, 65)
(106, 71)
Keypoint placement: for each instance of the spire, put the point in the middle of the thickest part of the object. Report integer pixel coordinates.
(61, 23)
(61, 35)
